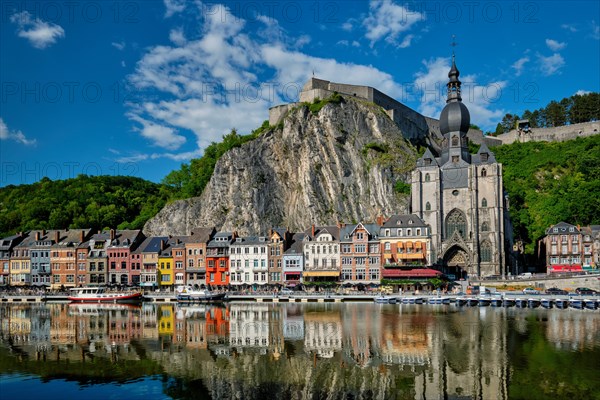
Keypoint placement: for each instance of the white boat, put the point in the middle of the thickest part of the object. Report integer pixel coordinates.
(98, 294)
(189, 294)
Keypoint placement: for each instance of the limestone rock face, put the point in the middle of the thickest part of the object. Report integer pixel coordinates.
(338, 164)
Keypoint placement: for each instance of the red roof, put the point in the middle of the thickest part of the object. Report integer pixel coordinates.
(411, 273)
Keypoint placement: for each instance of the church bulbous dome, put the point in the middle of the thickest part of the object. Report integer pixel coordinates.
(455, 117)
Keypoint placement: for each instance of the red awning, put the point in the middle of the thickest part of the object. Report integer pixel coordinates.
(564, 268)
(411, 273)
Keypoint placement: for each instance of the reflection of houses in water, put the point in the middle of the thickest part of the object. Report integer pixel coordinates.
(323, 332)
(572, 330)
(195, 326)
(361, 331)
(149, 321)
(404, 339)
(249, 327)
(468, 353)
(293, 322)
(63, 328)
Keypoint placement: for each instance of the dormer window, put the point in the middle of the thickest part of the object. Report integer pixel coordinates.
(410, 222)
(571, 229)
(455, 159)
(484, 157)
(428, 161)
(454, 141)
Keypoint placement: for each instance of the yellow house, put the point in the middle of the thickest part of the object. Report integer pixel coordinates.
(166, 268)
(166, 319)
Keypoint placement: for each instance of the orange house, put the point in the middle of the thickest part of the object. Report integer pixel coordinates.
(217, 259)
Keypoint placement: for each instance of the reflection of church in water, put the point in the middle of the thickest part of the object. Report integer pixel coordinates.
(461, 196)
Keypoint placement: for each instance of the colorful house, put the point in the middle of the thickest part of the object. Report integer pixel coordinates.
(322, 254)
(7, 245)
(195, 249)
(149, 251)
(279, 241)
(63, 257)
(293, 261)
(360, 254)
(217, 259)
(122, 256)
(248, 258)
(166, 270)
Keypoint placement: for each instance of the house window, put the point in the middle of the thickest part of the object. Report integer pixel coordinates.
(427, 178)
(428, 206)
(484, 203)
(455, 159)
(454, 141)
(374, 274)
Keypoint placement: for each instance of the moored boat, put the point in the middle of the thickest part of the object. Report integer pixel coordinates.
(383, 299)
(484, 301)
(521, 303)
(546, 303)
(508, 302)
(590, 304)
(533, 303)
(97, 294)
(496, 302)
(188, 294)
(576, 303)
(561, 303)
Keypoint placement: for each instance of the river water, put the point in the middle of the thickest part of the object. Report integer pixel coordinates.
(297, 351)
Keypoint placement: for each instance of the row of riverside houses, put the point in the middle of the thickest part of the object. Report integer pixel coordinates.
(350, 254)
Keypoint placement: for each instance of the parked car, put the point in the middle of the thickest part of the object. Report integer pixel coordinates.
(584, 290)
(530, 290)
(286, 292)
(526, 275)
(556, 291)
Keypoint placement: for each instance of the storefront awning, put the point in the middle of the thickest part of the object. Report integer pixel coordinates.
(321, 273)
(411, 273)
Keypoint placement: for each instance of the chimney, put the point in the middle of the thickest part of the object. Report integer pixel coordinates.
(56, 236)
(313, 230)
(112, 235)
(81, 236)
(37, 236)
(380, 220)
(43, 232)
(162, 244)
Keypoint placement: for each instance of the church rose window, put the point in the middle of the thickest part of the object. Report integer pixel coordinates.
(456, 221)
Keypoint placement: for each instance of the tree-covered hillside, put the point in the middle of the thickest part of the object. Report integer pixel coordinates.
(84, 202)
(551, 182)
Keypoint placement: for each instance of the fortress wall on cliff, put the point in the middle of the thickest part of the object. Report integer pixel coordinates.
(556, 134)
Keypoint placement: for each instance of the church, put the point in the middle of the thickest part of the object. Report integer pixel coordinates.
(461, 197)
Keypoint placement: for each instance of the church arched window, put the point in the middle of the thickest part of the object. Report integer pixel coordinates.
(454, 141)
(486, 251)
(483, 172)
(456, 221)
(485, 227)
(484, 203)
(428, 206)
(427, 178)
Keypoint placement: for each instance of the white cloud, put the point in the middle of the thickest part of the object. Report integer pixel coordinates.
(355, 43)
(595, 30)
(519, 65)
(17, 136)
(173, 7)
(387, 20)
(119, 45)
(302, 41)
(160, 135)
(569, 27)
(478, 96)
(39, 33)
(550, 65)
(177, 36)
(343, 43)
(208, 83)
(406, 41)
(555, 45)
(582, 92)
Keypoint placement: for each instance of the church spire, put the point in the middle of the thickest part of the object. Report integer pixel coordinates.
(453, 82)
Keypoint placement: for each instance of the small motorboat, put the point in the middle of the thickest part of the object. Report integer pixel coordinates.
(187, 294)
(434, 300)
(546, 303)
(472, 301)
(496, 302)
(461, 301)
(521, 303)
(533, 303)
(508, 302)
(576, 303)
(561, 303)
(590, 304)
(383, 299)
(484, 301)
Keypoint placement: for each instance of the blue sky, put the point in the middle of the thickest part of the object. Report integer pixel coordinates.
(138, 87)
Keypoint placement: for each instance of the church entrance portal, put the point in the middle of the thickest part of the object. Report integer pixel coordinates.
(456, 262)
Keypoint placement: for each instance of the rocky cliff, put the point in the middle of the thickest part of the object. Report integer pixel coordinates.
(341, 162)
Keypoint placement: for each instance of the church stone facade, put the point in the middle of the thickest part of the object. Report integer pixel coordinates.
(461, 196)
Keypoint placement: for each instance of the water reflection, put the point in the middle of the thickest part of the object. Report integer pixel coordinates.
(354, 350)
